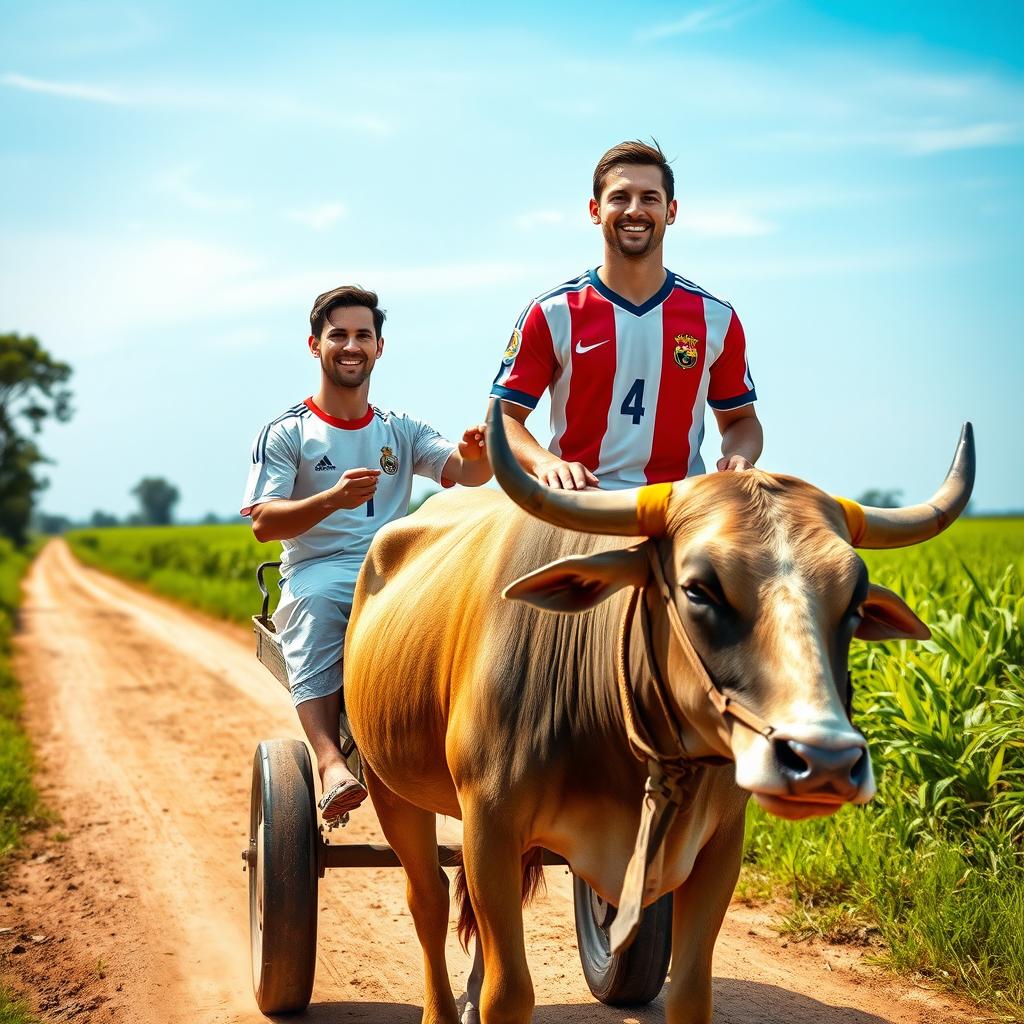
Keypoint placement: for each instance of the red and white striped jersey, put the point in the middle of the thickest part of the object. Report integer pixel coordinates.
(628, 383)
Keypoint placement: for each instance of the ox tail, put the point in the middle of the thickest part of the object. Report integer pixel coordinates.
(533, 883)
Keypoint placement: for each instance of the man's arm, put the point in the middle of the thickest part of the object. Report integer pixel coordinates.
(468, 465)
(742, 438)
(285, 518)
(549, 469)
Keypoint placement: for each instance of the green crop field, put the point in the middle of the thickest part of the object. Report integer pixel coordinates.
(935, 865)
(212, 568)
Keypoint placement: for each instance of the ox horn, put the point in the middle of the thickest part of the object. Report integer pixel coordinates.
(901, 527)
(638, 512)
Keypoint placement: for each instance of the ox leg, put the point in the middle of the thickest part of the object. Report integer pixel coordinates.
(412, 833)
(474, 983)
(698, 909)
(494, 876)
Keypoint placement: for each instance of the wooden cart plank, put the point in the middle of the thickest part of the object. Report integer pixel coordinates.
(374, 855)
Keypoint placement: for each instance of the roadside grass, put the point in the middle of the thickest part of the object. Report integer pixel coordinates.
(934, 866)
(15, 1011)
(19, 802)
(212, 568)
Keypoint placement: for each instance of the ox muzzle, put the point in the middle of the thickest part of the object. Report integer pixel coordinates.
(802, 771)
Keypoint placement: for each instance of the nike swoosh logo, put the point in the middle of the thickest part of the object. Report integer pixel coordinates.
(581, 348)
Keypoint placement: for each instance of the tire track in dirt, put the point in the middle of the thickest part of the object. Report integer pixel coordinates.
(145, 716)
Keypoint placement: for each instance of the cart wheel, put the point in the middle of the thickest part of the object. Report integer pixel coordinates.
(635, 975)
(282, 862)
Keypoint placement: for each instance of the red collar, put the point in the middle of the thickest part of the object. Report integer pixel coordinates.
(335, 422)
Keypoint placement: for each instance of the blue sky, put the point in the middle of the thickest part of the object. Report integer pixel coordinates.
(178, 181)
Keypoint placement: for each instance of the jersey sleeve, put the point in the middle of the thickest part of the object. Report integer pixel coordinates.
(274, 466)
(731, 385)
(430, 451)
(528, 365)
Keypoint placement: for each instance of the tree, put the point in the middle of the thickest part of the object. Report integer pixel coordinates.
(31, 391)
(157, 499)
(879, 497)
(50, 523)
(100, 519)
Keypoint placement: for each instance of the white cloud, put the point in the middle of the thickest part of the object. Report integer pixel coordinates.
(971, 136)
(248, 336)
(319, 217)
(701, 19)
(205, 98)
(574, 107)
(791, 265)
(538, 219)
(113, 288)
(68, 90)
(369, 123)
(179, 184)
(911, 138)
(722, 221)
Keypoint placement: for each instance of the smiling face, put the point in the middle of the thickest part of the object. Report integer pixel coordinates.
(633, 210)
(348, 346)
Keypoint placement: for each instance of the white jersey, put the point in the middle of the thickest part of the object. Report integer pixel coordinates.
(304, 452)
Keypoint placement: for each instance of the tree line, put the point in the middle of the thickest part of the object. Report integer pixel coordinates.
(34, 390)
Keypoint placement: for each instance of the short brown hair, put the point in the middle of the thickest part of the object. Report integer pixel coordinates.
(346, 295)
(634, 152)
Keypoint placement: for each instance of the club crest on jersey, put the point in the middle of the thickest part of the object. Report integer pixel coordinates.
(686, 351)
(388, 461)
(512, 348)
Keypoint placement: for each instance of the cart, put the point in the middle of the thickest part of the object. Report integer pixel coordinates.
(289, 851)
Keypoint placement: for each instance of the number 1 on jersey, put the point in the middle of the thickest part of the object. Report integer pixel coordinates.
(369, 508)
(633, 404)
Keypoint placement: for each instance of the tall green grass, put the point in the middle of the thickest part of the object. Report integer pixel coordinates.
(211, 568)
(14, 1010)
(936, 862)
(19, 802)
(18, 799)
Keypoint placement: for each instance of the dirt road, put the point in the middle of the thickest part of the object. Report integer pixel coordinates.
(134, 907)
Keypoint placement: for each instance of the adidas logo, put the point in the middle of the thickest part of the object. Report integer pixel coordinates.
(324, 463)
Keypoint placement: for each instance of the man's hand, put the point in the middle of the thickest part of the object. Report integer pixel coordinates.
(473, 447)
(734, 463)
(565, 476)
(355, 488)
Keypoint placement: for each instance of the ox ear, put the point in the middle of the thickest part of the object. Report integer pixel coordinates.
(578, 584)
(887, 617)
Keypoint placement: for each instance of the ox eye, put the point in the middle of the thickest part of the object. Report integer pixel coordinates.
(700, 594)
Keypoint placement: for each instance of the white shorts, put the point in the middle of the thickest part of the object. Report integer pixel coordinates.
(316, 601)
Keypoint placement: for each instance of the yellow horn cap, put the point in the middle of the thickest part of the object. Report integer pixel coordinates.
(652, 508)
(856, 522)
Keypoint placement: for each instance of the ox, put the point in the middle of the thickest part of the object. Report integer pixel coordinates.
(702, 665)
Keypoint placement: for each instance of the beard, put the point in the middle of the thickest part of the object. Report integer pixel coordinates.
(349, 377)
(652, 239)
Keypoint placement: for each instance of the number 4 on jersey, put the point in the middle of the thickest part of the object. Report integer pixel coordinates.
(633, 404)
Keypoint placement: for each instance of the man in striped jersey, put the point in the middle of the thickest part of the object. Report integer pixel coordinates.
(324, 477)
(630, 352)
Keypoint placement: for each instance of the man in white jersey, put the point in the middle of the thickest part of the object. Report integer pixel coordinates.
(630, 352)
(324, 477)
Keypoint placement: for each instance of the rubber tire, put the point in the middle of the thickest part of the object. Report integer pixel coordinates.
(635, 976)
(283, 876)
